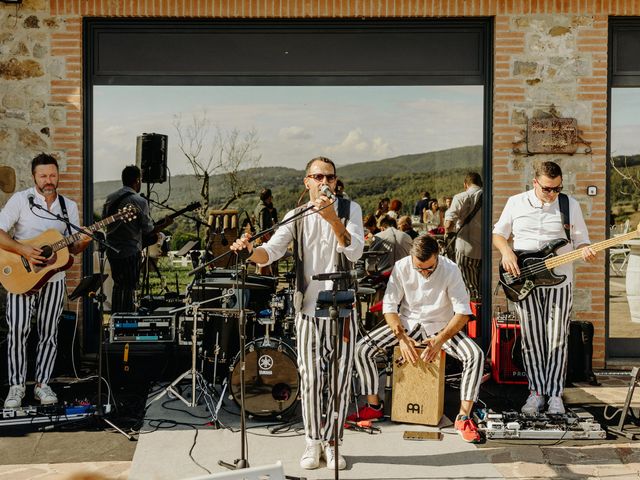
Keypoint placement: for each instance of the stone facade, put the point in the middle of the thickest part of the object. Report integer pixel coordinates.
(545, 53)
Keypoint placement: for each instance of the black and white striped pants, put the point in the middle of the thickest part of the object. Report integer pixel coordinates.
(315, 351)
(470, 269)
(459, 346)
(544, 324)
(47, 304)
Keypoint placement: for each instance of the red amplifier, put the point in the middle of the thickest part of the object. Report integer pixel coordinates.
(473, 325)
(506, 353)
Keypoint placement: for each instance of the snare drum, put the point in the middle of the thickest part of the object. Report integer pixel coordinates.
(271, 378)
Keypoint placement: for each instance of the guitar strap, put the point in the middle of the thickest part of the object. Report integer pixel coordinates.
(65, 214)
(563, 200)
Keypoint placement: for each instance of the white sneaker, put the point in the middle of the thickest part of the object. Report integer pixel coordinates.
(311, 457)
(45, 394)
(555, 407)
(533, 404)
(329, 452)
(14, 397)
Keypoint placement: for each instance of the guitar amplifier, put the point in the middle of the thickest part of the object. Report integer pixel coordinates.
(135, 327)
(473, 325)
(506, 353)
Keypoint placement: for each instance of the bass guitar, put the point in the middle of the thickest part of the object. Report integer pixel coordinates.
(153, 240)
(536, 267)
(19, 276)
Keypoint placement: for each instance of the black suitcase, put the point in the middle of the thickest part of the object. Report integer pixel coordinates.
(580, 361)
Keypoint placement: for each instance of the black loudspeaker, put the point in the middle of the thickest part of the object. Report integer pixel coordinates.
(580, 353)
(151, 157)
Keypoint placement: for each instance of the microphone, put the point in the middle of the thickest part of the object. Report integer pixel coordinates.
(326, 191)
(31, 201)
(349, 275)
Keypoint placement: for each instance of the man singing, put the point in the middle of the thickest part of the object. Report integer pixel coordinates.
(27, 222)
(327, 239)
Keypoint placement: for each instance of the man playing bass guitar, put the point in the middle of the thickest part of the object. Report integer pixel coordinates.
(535, 218)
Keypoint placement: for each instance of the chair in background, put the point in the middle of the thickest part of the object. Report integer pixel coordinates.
(619, 256)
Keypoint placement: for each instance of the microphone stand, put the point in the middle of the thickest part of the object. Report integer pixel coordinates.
(100, 298)
(252, 238)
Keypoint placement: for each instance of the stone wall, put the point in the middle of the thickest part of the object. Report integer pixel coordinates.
(546, 53)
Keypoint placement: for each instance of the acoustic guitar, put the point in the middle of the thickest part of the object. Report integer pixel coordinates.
(19, 276)
(536, 266)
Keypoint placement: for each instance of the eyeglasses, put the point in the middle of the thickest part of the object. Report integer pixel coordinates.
(430, 269)
(557, 189)
(319, 177)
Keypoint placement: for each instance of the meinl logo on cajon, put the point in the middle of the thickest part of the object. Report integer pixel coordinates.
(418, 390)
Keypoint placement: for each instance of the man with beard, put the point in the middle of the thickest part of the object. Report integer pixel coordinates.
(19, 215)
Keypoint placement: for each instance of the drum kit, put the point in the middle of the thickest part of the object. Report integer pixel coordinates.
(271, 374)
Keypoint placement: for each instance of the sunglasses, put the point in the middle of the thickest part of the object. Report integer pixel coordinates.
(557, 189)
(319, 177)
(430, 269)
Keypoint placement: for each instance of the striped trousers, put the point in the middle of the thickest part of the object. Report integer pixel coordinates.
(315, 354)
(459, 346)
(470, 269)
(544, 324)
(126, 274)
(47, 304)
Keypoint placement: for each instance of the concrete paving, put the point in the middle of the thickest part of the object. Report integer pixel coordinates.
(170, 447)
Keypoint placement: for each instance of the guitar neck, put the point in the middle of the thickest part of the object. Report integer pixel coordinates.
(577, 254)
(66, 241)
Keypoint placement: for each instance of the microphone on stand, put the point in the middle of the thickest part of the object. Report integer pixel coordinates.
(326, 191)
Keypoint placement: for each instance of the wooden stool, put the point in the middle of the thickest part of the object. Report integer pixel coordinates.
(418, 391)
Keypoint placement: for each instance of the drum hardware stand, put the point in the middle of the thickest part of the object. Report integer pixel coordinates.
(193, 371)
(337, 305)
(626, 410)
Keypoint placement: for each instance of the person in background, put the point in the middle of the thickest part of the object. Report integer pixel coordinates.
(395, 243)
(422, 204)
(340, 190)
(383, 208)
(394, 209)
(434, 219)
(128, 238)
(26, 222)
(371, 227)
(406, 225)
(466, 211)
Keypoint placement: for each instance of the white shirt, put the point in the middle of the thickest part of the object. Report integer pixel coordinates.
(27, 224)
(431, 302)
(534, 224)
(321, 249)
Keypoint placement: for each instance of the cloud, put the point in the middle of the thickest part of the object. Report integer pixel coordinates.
(294, 133)
(356, 143)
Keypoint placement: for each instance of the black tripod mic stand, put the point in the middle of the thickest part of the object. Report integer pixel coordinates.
(337, 305)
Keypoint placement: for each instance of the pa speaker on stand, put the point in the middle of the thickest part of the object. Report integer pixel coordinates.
(151, 157)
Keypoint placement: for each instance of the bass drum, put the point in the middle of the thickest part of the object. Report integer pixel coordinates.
(271, 378)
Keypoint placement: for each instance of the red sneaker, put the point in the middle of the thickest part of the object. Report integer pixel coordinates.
(467, 429)
(366, 413)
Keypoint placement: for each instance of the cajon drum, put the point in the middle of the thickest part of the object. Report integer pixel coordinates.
(223, 231)
(418, 391)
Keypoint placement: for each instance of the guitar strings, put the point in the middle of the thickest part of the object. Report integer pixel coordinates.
(553, 262)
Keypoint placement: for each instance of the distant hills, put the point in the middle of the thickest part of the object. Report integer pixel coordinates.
(404, 177)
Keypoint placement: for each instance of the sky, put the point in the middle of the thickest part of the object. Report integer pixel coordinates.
(293, 123)
(625, 121)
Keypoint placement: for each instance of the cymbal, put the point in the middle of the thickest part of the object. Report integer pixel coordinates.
(218, 283)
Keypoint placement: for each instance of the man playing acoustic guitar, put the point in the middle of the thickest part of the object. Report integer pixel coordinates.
(535, 218)
(26, 221)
